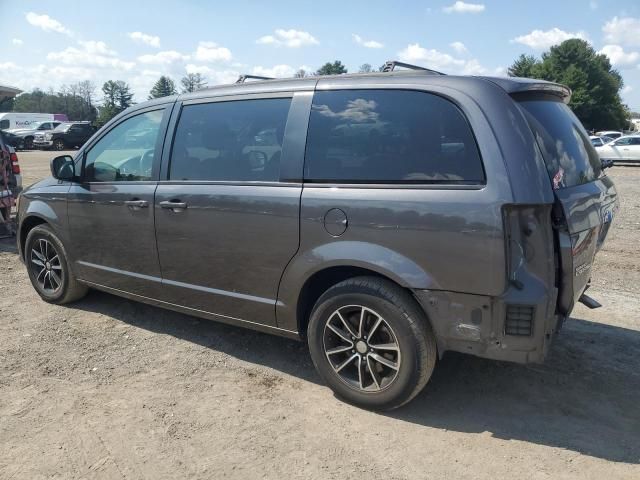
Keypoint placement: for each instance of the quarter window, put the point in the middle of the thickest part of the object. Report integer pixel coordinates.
(230, 141)
(389, 136)
(126, 153)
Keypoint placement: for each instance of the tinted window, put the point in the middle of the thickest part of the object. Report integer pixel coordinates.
(233, 141)
(125, 154)
(635, 141)
(387, 136)
(571, 159)
(4, 124)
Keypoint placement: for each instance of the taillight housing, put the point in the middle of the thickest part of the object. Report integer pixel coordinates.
(15, 166)
(529, 243)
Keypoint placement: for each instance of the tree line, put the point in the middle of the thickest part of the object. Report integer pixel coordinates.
(595, 84)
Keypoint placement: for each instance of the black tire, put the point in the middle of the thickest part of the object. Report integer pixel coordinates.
(28, 143)
(404, 323)
(62, 286)
(58, 144)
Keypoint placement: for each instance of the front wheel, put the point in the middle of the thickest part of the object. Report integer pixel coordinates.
(28, 143)
(371, 343)
(48, 267)
(58, 144)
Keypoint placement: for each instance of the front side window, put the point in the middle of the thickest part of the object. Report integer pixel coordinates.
(126, 153)
(230, 141)
(4, 124)
(389, 136)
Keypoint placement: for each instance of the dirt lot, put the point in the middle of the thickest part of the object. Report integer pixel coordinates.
(108, 388)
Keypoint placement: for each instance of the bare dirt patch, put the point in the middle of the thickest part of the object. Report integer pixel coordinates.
(108, 388)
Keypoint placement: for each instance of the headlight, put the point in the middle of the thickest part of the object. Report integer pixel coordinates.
(48, 136)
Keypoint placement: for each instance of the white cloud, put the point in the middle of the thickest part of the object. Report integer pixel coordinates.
(277, 71)
(463, 7)
(91, 54)
(436, 60)
(16, 41)
(288, 38)
(627, 89)
(46, 23)
(213, 75)
(212, 52)
(624, 30)
(459, 47)
(429, 58)
(618, 56)
(151, 40)
(366, 43)
(165, 57)
(540, 40)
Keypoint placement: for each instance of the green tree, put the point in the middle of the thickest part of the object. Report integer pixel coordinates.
(595, 84)
(117, 97)
(66, 100)
(163, 88)
(335, 68)
(524, 66)
(192, 82)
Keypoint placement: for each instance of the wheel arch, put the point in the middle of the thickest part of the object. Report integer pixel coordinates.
(309, 275)
(26, 225)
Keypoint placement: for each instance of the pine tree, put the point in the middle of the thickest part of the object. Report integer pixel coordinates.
(163, 88)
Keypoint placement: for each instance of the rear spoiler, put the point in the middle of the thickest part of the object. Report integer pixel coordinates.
(516, 85)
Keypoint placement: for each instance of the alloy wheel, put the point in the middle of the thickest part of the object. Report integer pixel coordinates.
(46, 266)
(361, 348)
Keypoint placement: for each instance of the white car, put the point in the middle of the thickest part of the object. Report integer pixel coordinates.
(597, 141)
(623, 149)
(609, 133)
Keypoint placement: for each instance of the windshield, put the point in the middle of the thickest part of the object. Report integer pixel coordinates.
(570, 157)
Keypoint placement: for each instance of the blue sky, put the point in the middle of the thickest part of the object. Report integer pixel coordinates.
(51, 43)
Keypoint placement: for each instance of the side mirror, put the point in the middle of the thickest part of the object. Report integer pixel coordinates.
(63, 167)
(606, 163)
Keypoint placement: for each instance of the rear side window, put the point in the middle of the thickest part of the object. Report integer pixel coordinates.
(230, 141)
(389, 136)
(568, 153)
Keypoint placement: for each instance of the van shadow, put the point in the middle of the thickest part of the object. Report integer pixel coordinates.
(585, 398)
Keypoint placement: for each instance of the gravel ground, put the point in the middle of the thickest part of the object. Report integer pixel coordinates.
(108, 388)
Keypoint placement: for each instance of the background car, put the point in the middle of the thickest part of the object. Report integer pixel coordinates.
(66, 135)
(609, 133)
(598, 141)
(22, 138)
(623, 149)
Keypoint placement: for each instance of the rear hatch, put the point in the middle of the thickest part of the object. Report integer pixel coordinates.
(585, 198)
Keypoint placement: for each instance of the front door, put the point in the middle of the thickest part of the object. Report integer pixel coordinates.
(111, 210)
(226, 225)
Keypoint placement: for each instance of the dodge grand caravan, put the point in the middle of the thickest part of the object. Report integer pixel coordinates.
(384, 218)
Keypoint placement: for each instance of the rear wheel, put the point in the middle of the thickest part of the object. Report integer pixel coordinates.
(371, 343)
(48, 267)
(58, 144)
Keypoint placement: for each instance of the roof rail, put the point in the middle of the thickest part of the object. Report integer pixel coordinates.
(242, 78)
(390, 65)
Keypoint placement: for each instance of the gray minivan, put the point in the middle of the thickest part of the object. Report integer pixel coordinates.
(385, 218)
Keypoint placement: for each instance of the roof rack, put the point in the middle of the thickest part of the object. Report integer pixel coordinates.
(390, 65)
(242, 78)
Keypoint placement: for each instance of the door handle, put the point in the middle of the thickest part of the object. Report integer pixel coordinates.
(175, 205)
(136, 204)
